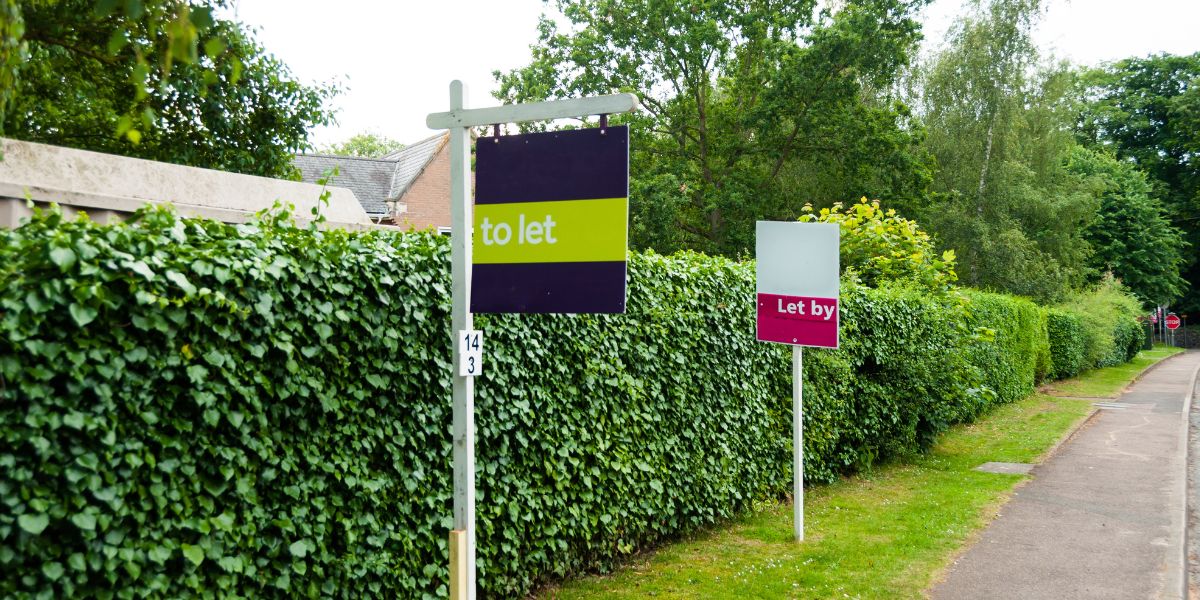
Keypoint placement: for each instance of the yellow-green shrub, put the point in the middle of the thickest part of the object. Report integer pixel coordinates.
(881, 248)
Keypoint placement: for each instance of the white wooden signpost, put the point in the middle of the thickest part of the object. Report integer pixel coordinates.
(798, 286)
(468, 343)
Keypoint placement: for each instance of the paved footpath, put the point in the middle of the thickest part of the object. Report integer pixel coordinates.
(1104, 516)
(1193, 530)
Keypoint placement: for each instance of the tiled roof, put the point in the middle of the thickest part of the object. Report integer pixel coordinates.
(411, 160)
(373, 180)
(369, 178)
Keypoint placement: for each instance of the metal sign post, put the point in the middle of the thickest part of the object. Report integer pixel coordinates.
(459, 120)
(798, 443)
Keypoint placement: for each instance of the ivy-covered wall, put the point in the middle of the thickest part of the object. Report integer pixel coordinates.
(191, 408)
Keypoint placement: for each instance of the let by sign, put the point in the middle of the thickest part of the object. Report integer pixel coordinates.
(798, 283)
(551, 222)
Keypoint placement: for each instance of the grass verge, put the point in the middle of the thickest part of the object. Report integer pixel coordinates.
(881, 534)
(1109, 382)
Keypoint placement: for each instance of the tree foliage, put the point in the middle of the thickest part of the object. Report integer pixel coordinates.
(1131, 238)
(750, 109)
(366, 145)
(13, 51)
(1147, 110)
(162, 80)
(999, 124)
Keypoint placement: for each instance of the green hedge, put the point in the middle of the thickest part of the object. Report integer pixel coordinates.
(1096, 328)
(1127, 341)
(1107, 315)
(1018, 357)
(899, 378)
(1068, 343)
(191, 408)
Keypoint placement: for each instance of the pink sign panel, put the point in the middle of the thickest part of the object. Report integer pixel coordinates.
(798, 320)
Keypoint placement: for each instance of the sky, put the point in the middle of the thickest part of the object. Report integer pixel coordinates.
(396, 59)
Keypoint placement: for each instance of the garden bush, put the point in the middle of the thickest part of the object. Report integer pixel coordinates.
(1016, 357)
(1127, 341)
(880, 247)
(1068, 343)
(196, 409)
(1109, 317)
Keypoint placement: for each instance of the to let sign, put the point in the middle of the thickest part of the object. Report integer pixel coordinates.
(551, 222)
(1172, 321)
(798, 283)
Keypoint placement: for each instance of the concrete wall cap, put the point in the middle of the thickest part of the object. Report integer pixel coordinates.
(96, 181)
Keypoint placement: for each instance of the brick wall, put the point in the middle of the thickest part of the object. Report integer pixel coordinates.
(428, 200)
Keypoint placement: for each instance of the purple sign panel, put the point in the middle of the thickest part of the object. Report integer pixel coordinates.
(551, 221)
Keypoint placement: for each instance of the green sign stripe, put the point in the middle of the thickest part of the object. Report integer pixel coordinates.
(556, 231)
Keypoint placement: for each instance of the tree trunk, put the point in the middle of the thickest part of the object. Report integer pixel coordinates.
(983, 171)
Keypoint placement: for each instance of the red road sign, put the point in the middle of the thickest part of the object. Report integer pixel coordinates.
(1172, 321)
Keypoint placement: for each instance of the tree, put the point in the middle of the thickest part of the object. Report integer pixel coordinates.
(750, 108)
(87, 78)
(1148, 110)
(999, 125)
(366, 145)
(1132, 239)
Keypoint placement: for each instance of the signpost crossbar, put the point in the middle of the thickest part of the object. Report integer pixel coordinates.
(537, 111)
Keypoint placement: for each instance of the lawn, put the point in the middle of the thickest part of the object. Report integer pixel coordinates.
(886, 533)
